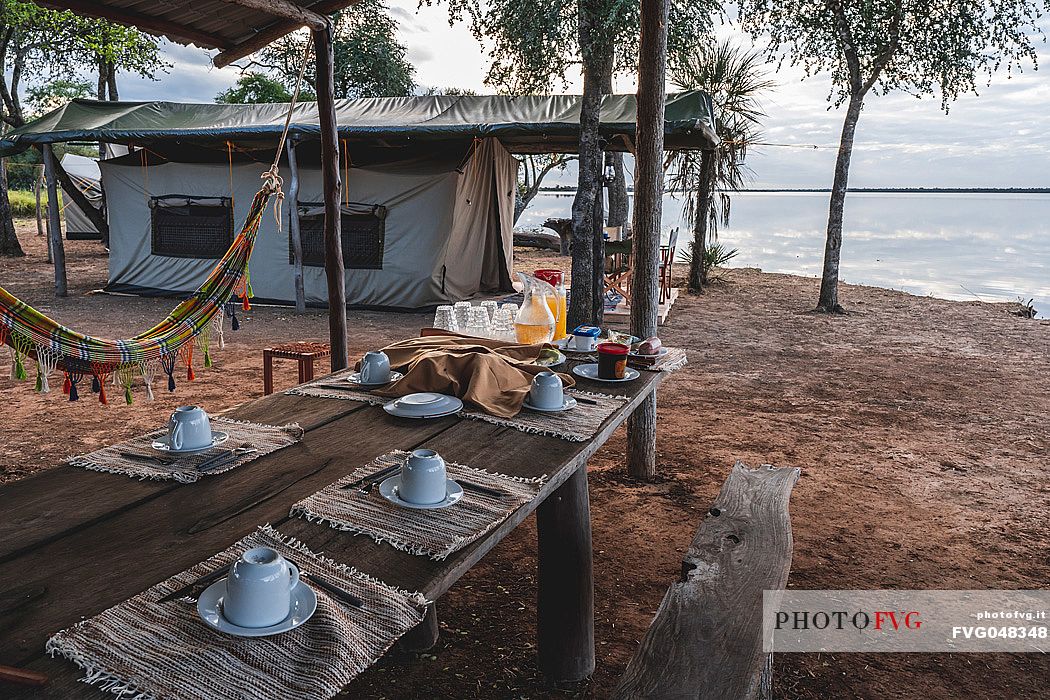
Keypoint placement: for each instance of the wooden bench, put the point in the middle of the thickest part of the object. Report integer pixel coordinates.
(706, 639)
(302, 352)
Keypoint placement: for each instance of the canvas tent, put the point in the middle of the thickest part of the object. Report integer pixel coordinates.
(429, 186)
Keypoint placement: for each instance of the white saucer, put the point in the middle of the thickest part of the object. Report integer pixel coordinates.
(590, 371)
(568, 403)
(424, 405)
(663, 351)
(388, 490)
(209, 607)
(355, 378)
(217, 438)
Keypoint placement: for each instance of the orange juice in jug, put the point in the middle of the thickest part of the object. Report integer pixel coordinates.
(535, 322)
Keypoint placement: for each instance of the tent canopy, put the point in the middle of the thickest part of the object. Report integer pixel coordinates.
(527, 124)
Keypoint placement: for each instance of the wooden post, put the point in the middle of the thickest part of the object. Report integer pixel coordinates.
(648, 198)
(598, 271)
(293, 228)
(333, 244)
(54, 221)
(565, 600)
(423, 636)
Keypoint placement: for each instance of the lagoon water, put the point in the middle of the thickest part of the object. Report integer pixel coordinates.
(995, 247)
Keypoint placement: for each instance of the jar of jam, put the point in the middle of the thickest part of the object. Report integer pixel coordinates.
(612, 360)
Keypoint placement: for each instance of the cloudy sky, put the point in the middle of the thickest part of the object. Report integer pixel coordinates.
(995, 139)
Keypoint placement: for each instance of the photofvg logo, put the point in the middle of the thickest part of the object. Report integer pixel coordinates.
(900, 621)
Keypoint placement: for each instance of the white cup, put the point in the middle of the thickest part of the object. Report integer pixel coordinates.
(189, 429)
(259, 588)
(375, 368)
(423, 478)
(584, 343)
(546, 391)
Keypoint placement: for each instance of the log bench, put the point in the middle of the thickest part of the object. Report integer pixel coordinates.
(706, 639)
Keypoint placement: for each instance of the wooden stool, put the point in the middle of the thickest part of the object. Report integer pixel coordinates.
(304, 353)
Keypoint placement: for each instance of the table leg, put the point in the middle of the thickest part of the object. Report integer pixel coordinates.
(565, 601)
(302, 370)
(423, 636)
(267, 373)
(309, 370)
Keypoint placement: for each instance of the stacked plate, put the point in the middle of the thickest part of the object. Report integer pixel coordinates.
(424, 405)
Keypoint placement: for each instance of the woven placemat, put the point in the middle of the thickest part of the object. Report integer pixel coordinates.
(433, 533)
(137, 458)
(148, 650)
(577, 425)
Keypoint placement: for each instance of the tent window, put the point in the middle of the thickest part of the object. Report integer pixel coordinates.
(363, 233)
(191, 227)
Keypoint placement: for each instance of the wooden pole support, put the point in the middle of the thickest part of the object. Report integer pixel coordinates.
(333, 243)
(565, 600)
(293, 228)
(423, 636)
(54, 220)
(648, 202)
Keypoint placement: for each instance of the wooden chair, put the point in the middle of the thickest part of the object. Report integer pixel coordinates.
(706, 640)
(667, 253)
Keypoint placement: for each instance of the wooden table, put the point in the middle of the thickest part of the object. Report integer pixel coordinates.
(74, 542)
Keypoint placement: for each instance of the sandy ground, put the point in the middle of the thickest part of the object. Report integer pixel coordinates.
(920, 425)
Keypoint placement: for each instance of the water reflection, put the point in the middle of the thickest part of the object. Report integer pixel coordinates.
(955, 246)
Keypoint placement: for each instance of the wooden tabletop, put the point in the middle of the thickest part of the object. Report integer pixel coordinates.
(74, 542)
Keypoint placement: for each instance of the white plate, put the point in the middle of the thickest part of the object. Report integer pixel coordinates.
(663, 351)
(209, 607)
(567, 404)
(355, 378)
(217, 438)
(590, 371)
(560, 360)
(388, 490)
(445, 406)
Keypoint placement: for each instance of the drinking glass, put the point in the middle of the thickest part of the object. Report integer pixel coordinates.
(503, 325)
(478, 324)
(512, 308)
(491, 307)
(462, 310)
(445, 319)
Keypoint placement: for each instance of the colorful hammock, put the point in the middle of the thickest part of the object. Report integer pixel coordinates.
(170, 343)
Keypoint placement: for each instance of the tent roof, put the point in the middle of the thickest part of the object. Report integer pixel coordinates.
(528, 124)
(237, 27)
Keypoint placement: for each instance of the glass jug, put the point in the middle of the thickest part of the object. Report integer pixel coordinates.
(535, 322)
(557, 302)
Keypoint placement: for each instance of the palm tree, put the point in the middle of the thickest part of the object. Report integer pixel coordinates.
(734, 78)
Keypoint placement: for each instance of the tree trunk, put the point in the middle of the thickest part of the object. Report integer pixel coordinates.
(101, 94)
(829, 282)
(648, 200)
(701, 221)
(111, 81)
(9, 244)
(333, 242)
(598, 272)
(581, 296)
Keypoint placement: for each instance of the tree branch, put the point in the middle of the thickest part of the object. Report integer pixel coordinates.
(849, 48)
(884, 57)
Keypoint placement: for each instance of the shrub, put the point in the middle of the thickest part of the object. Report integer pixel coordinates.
(23, 203)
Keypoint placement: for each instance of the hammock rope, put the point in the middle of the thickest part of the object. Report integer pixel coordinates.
(166, 345)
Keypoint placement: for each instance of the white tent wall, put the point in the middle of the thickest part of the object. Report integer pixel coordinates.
(434, 248)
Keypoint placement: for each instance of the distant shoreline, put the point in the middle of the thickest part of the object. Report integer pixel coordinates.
(886, 190)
